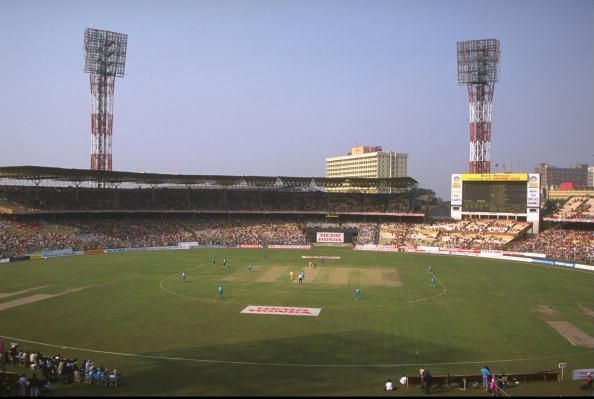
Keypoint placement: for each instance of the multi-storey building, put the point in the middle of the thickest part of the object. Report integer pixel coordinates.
(370, 162)
(552, 176)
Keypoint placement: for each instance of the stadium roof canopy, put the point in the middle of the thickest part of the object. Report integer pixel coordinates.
(77, 177)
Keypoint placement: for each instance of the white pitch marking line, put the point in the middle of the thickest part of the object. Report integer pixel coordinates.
(293, 364)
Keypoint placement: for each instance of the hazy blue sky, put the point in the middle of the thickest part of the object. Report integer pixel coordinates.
(274, 87)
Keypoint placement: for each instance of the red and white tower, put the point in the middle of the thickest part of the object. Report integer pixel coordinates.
(477, 69)
(105, 58)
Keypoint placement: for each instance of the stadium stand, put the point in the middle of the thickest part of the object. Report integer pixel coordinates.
(559, 243)
(142, 210)
(577, 208)
(467, 234)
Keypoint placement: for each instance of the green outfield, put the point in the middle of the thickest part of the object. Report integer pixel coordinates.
(172, 337)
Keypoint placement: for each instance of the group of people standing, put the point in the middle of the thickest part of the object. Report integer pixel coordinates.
(491, 383)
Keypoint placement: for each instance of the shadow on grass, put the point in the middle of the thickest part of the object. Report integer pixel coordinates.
(346, 364)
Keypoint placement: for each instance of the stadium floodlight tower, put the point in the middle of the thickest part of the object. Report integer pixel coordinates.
(477, 69)
(105, 59)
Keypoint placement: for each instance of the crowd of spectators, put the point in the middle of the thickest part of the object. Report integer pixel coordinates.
(52, 369)
(577, 208)
(35, 234)
(563, 244)
(214, 230)
(466, 234)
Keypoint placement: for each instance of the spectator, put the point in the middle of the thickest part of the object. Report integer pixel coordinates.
(587, 384)
(23, 384)
(35, 384)
(388, 386)
(486, 372)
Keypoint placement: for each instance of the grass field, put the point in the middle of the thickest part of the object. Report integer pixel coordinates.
(169, 337)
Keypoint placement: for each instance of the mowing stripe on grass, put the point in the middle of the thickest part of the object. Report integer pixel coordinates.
(36, 298)
(391, 278)
(339, 275)
(5, 294)
(273, 274)
(310, 275)
(296, 364)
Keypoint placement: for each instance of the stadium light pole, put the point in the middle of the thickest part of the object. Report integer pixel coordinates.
(477, 69)
(105, 59)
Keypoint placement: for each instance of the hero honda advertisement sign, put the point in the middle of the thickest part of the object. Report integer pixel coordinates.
(330, 237)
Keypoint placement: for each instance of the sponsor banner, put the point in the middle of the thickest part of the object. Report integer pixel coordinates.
(333, 237)
(533, 196)
(136, 249)
(365, 247)
(4, 260)
(36, 256)
(94, 251)
(250, 246)
(281, 310)
(534, 180)
(491, 251)
(555, 219)
(567, 264)
(19, 258)
(491, 255)
(494, 177)
(288, 246)
(57, 252)
(115, 250)
(580, 374)
(529, 254)
(373, 247)
(188, 245)
(166, 248)
(319, 257)
(477, 253)
(456, 197)
(543, 261)
(517, 259)
(78, 253)
(429, 250)
(584, 267)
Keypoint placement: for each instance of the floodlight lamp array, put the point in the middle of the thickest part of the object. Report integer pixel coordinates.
(105, 52)
(477, 61)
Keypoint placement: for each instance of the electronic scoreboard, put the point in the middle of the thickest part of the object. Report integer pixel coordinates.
(496, 195)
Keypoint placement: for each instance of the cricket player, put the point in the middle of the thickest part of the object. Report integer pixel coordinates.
(225, 262)
(220, 291)
(432, 281)
(301, 277)
(357, 294)
(429, 269)
(291, 275)
(249, 268)
(183, 276)
(213, 260)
